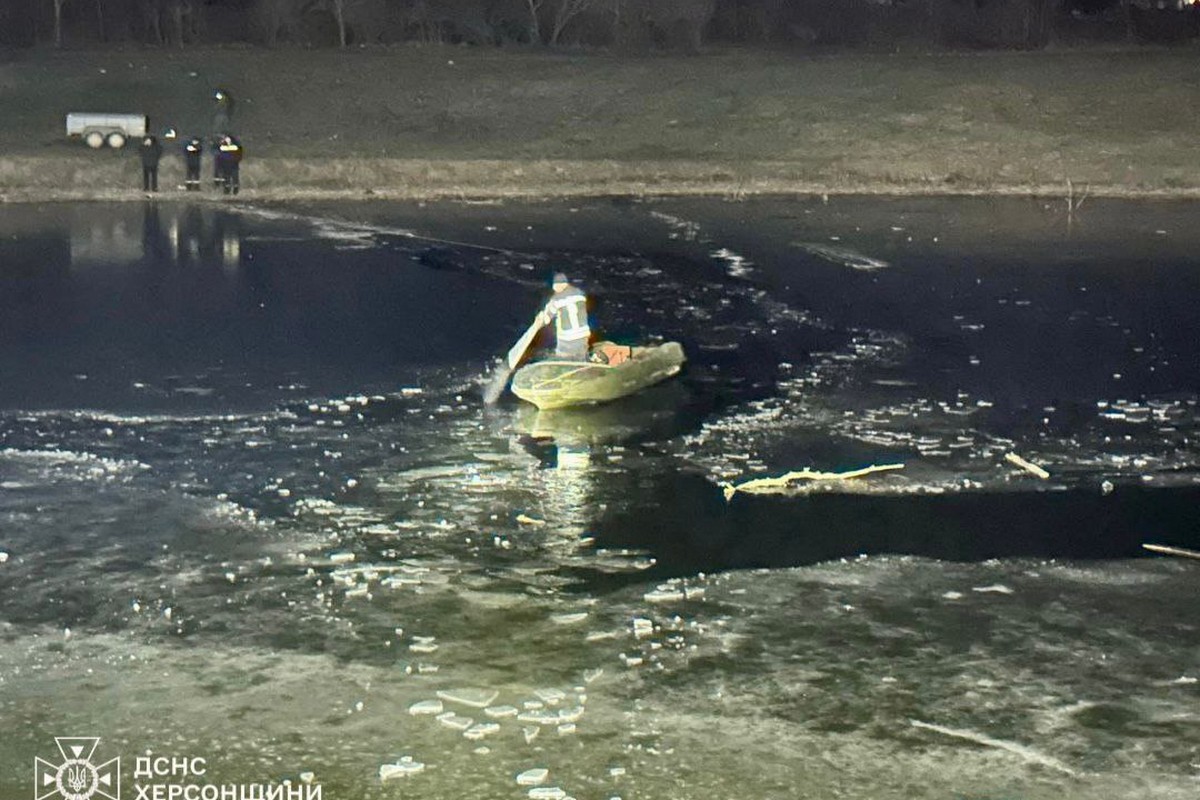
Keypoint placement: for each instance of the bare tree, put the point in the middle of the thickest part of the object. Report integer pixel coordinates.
(152, 18)
(182, 22)
(351, 16)
(535, 28)
(58, 7)
(275, 18)
(100, 20)
(338, 8)
(564, 12)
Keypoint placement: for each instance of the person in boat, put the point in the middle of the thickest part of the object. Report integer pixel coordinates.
(567, 308)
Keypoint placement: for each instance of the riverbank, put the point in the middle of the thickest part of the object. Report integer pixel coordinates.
(450, 122)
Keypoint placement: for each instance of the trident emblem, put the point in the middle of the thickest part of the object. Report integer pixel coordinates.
(77, 778)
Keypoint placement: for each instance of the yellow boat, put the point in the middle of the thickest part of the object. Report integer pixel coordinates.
(558, 384)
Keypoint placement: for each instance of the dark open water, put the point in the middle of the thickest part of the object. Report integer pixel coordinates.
(253, 511)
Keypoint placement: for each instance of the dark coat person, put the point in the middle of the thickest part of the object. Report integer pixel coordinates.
(192, 152)
(228, 160)
(150, 152)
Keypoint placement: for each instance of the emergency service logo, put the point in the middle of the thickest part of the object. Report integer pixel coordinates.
(77, 778)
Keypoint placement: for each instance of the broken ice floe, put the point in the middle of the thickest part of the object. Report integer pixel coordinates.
(569, 618)
(454, 721)
(431, 707)
(547, 793)
(481, 729)
(663, 594)
(475, 698)
(533, 777)
(550, 696)
(996, 588)
(501, 712)
(735, 265)
(423, 644)
(680, 228)
(401, 769)
(842, 255)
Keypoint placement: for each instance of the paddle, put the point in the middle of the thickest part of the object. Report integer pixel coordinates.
(499, 380)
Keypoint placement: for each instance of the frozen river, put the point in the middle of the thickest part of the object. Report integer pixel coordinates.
(254, 516)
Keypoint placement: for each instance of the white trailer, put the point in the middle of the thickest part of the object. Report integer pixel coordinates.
(96, 129)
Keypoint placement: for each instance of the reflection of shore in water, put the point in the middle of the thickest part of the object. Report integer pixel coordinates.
(204, 236)
(178, 234)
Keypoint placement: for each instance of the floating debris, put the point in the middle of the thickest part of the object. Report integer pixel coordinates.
(995, 588)
(528, 520)
(1032, 469)
(781, 483)
(530, 732)
(987, 741)
(1172, 551)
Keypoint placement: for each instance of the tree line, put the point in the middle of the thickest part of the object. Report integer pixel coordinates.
(678, 24)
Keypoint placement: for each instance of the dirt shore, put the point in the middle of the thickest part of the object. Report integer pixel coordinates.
(447, 122)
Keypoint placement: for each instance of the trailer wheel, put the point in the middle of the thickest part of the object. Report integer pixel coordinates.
(94, 139)
(116, 141)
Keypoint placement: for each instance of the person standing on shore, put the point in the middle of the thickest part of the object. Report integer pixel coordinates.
(228, 160)
(222, 126)
(150, 152)
(192, 152)
(567, 308)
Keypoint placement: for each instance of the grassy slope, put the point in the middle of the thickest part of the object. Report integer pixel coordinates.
(432, 121)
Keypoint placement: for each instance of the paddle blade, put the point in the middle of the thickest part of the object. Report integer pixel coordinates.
(496, 383)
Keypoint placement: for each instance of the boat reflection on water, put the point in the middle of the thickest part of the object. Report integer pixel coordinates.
(580, 450)
(658, 413)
